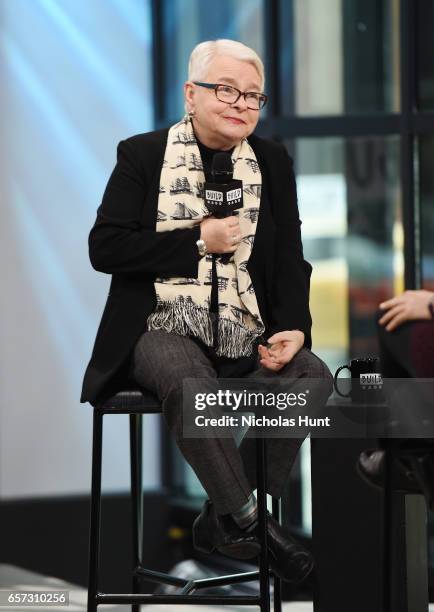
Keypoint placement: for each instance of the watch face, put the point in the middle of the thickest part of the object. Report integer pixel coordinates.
(201, 247)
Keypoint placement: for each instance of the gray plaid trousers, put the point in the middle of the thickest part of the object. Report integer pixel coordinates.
(227, 473)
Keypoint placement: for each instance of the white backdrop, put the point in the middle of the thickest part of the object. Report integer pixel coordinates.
(75, 78)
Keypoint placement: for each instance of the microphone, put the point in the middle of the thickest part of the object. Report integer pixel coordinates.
(224, 194)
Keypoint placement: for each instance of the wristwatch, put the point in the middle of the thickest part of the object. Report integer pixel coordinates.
(201, 247)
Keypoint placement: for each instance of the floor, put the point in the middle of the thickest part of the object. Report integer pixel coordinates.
(18, 579)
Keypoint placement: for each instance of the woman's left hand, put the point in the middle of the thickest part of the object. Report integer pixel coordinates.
(285, 345)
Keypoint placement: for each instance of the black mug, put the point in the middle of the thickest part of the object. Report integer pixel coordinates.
(366, 380)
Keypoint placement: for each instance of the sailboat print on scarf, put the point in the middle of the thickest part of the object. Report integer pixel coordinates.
(183, 304)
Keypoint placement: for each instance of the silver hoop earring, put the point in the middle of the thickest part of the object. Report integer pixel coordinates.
(191, 113)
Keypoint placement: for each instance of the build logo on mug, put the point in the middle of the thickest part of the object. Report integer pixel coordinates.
(366, 380)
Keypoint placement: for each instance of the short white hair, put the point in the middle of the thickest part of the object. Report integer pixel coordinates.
(204, 53)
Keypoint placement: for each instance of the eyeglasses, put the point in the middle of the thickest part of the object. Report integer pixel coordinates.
(230, 95)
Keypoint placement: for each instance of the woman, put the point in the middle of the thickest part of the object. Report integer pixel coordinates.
(193, 295)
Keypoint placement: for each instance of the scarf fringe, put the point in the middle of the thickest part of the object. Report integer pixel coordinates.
(183, 317)
(235, 340)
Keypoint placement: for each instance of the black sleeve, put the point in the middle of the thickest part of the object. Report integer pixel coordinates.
(118, 243)
(291, 277)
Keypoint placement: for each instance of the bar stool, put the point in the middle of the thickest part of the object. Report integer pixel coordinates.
(137, 403)
(411, 517)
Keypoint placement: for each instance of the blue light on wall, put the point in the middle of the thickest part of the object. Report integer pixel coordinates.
(75, 79)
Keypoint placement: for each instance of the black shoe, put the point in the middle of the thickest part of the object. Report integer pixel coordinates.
(212, 531)
(287, 558)
(416, 476)
(370, 466)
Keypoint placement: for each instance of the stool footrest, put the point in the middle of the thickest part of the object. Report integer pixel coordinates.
(143, 598)
(153, 576)
(202, 583)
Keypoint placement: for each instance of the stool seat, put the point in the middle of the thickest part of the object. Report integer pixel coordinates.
(136, 402)
(130, 402)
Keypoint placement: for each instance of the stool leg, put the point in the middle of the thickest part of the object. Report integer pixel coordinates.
(264, 577)
(95, 512)
(277, 581)
(136, 498)
(387, 530)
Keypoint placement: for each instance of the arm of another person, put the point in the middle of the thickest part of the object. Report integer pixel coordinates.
(118, 243)
(411, 305)
(291, 321)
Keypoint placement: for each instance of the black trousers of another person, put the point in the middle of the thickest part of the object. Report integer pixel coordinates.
(228, 473)
(408, 351)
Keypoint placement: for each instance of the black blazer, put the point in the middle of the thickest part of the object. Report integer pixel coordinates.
(123, 242)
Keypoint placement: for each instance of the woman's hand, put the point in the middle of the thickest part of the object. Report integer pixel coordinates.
(409, 306)
(285, 345)
(221, 235)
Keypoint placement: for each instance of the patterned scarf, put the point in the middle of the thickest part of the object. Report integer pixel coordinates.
(183, 304)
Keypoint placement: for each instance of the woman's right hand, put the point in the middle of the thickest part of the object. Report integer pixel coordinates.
(221, 235)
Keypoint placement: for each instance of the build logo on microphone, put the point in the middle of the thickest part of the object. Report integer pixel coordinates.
(224, 199)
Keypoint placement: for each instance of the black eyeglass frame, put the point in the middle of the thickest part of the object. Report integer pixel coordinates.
(240, 93)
